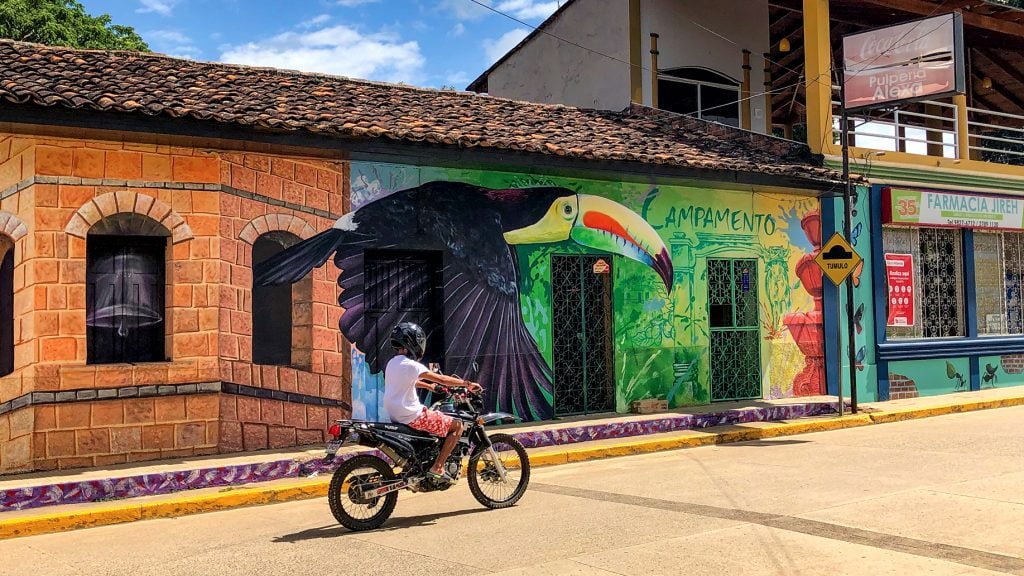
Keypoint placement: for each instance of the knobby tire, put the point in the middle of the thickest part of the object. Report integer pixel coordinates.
(336, 498)
(474, 473)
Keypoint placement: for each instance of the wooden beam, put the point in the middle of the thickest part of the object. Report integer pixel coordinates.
(996, 87)
(792, 61)
(787, 20)
(1002, 64)
(986, 104)
(924, 8)
(1009, 96)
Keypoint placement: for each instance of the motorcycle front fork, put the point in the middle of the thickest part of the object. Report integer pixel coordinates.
(497, 463)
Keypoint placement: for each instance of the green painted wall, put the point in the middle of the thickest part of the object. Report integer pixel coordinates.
(997, 371)
(931, 377)
(661, 341)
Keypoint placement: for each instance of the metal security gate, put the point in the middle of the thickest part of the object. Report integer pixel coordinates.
(124, 296)
(735, 332)
(403, 287)
(581, 302)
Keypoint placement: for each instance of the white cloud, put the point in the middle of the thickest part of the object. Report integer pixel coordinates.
(521, 9)
(168, 37)
(458, 79)
(354, 3)
(161, 7)
(315, 21)
(495, 49)
(337, 50)
(527, 9)
(458, 30)
(172, 43)
(464, 9)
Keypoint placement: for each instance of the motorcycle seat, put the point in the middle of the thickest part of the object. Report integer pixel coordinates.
(400, 428)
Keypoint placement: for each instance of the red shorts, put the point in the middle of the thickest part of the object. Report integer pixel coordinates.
(432, 422)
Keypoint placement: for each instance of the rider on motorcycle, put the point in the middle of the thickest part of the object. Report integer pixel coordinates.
(403, 374)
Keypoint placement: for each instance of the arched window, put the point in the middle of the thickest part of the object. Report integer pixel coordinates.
(282, 315)
(6, 306)
(700, 92)
(124, 293)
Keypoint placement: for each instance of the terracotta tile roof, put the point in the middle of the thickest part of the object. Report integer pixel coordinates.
(156, 85)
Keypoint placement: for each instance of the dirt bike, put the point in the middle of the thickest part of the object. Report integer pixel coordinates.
(364, 489)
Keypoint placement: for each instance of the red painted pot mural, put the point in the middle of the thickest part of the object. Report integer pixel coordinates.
(807, 327)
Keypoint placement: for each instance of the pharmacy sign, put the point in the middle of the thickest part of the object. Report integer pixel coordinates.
(951, 210)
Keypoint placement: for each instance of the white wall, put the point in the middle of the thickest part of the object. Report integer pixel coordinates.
(551, 71)
(548, 70)
(684, 41)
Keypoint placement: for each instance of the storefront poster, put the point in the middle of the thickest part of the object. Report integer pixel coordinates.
(928, 208)
(899, 274)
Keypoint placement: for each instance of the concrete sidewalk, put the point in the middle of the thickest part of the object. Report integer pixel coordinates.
(278, 476)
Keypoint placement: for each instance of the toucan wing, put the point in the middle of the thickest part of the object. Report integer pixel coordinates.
(294, 263)
(483, 320)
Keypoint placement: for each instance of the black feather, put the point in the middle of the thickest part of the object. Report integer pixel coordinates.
(296, 262)
(482, 320)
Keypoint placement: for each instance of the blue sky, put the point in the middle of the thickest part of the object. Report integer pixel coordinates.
(419, 42)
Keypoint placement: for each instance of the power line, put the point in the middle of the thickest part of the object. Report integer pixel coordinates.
(538, 29)
(641, 66)
(794, 85)
(882, 53)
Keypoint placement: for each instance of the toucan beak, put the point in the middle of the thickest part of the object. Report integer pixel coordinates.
(601, 224)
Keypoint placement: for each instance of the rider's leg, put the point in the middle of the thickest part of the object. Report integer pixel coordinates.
(454, 433)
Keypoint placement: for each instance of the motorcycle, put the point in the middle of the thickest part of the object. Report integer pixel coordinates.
(364, 489)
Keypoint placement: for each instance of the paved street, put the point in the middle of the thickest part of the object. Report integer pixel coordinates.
(936, 496)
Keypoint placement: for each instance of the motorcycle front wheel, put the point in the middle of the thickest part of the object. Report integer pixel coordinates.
(344, 494)
(485, 481)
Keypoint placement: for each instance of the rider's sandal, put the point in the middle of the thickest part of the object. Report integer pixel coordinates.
(442, 476)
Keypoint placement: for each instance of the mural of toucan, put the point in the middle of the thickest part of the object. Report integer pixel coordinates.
(476, 229)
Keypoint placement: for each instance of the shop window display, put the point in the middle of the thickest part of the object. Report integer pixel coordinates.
(999, 269)
(938, 280)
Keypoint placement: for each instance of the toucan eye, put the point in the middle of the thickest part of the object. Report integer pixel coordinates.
(568, 209)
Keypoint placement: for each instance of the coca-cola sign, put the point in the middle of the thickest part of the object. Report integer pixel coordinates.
(912, 61)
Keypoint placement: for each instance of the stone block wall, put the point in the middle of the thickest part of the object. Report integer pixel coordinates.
(901, 387)
(1012, 363)
(57, 411)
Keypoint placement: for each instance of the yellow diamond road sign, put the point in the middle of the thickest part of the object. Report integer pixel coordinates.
(838, 259)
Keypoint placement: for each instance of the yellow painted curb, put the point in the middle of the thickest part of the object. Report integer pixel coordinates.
(84, 516)
(181, 505)
(899, 415)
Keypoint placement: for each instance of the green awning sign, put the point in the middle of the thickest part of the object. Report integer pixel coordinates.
(950, 209)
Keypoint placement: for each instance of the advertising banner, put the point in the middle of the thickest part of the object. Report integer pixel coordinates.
(912, 61)
(899, 276)
(951, 210)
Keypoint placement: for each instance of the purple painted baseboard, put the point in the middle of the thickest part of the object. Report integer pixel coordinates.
(167, 482)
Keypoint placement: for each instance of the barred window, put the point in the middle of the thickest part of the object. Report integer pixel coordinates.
(938, 280)
(999, 268)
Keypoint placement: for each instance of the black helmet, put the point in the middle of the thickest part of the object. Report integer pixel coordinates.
(411, 337)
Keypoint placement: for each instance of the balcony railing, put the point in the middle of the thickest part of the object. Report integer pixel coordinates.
(933, 129)
(1003, 142)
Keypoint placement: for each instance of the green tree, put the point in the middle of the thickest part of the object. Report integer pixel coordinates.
(64, 23)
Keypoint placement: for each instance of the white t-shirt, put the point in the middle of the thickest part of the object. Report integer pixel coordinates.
(400, 398)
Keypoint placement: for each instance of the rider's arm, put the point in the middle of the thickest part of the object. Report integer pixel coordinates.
(428, 379)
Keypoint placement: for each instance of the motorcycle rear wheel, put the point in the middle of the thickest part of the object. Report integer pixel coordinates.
(486, 484)
(342, 495)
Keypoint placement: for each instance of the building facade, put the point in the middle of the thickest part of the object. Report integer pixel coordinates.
(939, 180)
(129, 324)
(581, 260)
(734, 313)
